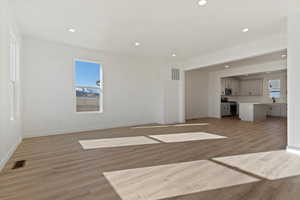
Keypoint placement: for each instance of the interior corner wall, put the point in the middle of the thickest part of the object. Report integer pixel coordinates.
(10, 130)
(196, 94)
(132, 93)
(293, 76)
(172, 107)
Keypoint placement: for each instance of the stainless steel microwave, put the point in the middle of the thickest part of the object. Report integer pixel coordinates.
(228, 92)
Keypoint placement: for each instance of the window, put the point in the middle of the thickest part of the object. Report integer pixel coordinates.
(13, 75)
(274, 88)
(88, 86)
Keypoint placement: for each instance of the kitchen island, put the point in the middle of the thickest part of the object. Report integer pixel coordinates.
(255, 111)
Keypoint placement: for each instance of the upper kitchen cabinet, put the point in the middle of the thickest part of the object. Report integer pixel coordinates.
(235, 87)
(222, 86)
(232, 84)
(251, 87)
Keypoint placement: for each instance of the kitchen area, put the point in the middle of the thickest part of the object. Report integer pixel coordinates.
(254, 97)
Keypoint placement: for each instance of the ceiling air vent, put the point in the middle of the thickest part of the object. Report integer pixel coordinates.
(175, 74)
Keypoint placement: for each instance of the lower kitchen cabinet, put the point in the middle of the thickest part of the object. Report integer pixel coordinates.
(278, 110)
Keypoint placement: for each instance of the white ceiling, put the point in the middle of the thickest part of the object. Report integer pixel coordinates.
(161, 26)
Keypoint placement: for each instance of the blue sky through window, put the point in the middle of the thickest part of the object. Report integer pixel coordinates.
(87, 73)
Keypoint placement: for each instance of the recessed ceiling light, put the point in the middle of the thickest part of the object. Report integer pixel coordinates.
(72, 30)
(227, 66)
(137, 44)
(245, 30)
(283, 56)
(202, 2)
(174, 55)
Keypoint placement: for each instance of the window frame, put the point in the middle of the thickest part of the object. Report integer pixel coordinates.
(101, 106)
(280, 88)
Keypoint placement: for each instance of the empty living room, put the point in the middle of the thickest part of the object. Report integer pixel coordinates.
(149, 100)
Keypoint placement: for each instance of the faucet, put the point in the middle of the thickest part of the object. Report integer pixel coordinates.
(273, 99)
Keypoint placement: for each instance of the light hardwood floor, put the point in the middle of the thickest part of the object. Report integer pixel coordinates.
(116, 142)
(58, 168)
(185, 137)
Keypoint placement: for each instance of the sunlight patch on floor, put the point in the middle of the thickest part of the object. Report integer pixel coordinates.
(171, 125)
(271, 165)
(200, 124)
(151, 139)
(145, 127)
(164, 181)
(185, 137)
(116, 142)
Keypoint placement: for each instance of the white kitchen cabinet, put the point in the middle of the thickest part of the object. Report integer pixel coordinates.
(259, 111)
(278, 110)
(235, 87)
(244, 88)
(258, 88)
(283, 110)
(253, 111)
(232, 84)
(251, 87)
(275, 110)
(227, 83)
(223, 86)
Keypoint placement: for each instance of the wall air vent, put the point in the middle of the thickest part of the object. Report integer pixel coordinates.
(175, 74)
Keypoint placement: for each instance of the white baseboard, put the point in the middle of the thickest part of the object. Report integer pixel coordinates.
(293, 150)
(9, 153)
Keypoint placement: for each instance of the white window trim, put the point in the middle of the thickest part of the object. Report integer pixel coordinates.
(13, 76)
(280, 89)
(101, 106)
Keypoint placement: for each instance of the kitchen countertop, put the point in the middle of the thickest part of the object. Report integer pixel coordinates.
(262, 103)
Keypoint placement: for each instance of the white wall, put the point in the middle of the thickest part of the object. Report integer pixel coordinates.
(196, 94)
(293, 76)
(10, 131)
(172, 100)
(132, 92)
